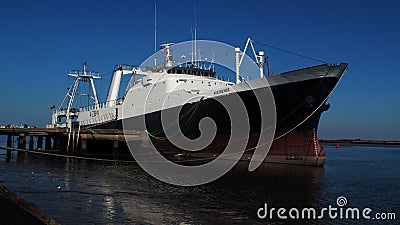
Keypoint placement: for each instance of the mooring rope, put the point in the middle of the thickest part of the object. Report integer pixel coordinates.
(64, 155)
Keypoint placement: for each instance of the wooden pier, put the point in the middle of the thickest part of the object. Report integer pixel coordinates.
(106, 142)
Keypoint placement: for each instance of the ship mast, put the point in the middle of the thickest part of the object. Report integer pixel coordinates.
(155, 33)
(80, 75)
(194, 41)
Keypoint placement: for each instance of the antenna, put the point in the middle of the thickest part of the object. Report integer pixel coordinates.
(212, 60)
(195, 36)
(155, 33)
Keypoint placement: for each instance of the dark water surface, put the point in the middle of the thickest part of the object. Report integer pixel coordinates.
(122, 193)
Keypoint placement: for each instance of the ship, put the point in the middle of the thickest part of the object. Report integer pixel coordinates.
(195, 90)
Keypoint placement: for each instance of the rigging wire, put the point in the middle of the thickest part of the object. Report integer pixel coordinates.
(289, 52)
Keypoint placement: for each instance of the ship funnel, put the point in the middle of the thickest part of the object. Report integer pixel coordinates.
(114, 87)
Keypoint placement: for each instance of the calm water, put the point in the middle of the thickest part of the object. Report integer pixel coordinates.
(121, 193)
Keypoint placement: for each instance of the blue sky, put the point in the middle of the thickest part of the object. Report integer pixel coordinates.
(40, 41)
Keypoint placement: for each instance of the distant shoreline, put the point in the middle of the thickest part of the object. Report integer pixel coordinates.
(352, 142)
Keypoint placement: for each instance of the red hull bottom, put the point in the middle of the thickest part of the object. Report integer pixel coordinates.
(296, 147)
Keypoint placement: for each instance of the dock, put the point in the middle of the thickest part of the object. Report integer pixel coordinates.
(91, 142)
(16, 210)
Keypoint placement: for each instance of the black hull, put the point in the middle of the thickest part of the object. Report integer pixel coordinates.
(298, 109)
(293, 108)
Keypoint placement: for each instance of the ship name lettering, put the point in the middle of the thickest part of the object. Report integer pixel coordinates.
(221, 91)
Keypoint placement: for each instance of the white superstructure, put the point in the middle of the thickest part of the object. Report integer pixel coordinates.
(153, 88)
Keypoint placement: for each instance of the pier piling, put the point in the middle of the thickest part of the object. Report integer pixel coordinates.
(10, 145)
(83, 145)
(39, 144)
(31, 142)
(47, 145)
(21, 145)
(115, 149)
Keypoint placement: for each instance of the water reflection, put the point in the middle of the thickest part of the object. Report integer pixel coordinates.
(104, 192)
(121, 193)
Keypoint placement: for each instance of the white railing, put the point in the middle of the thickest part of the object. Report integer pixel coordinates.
(81, 72)
(102, 105)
